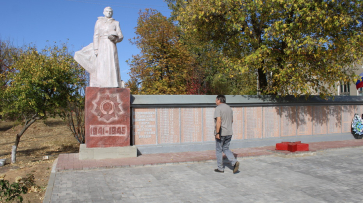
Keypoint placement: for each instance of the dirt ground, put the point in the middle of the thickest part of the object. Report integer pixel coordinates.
(38, 148)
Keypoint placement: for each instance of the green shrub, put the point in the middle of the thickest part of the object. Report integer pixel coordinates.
(10, 192)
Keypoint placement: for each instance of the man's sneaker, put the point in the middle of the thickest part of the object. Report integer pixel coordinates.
(236, 166)
(218, 171)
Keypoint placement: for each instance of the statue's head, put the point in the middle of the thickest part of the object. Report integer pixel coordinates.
(108, 12)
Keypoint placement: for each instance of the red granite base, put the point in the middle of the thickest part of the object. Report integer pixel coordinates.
(292, 146)
(282, 146)
(107, 117)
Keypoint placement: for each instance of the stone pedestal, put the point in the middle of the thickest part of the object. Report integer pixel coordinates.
(107, 117)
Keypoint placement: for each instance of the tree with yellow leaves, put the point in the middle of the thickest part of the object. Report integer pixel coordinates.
(296, 47)
(163, 64)
(41, 84)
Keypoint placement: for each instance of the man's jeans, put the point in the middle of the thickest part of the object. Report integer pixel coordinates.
(222, 145)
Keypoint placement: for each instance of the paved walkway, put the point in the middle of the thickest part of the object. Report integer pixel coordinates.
(322, 176)
(72, 162)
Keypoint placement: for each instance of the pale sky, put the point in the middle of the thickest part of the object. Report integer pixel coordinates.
(43, 22)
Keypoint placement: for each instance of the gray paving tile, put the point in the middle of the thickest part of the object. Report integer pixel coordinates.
(328, 176)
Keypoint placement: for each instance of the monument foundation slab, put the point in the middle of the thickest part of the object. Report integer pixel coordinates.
(106, 153)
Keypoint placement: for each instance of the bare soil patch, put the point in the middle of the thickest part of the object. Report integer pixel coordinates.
(44, 139)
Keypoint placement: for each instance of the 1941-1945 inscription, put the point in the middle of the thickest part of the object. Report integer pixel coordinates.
(108, 130)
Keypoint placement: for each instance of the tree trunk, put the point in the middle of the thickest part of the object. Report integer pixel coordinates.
(262, 81)
(15, 148)
(28, 123)
(13, 154)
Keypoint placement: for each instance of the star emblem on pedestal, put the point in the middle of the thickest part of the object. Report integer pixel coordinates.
(107, 107)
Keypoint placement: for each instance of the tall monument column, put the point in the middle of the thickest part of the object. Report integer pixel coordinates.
(107, 109)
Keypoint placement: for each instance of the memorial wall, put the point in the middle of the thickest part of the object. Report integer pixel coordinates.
(170, 124)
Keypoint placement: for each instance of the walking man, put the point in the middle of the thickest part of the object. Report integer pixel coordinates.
(223, 119)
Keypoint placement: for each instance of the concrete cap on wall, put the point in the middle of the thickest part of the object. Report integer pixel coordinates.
(239, 100)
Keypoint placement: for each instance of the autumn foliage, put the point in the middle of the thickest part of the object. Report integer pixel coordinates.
(40, 84)
(297, 47)
(172, 62)
(162, 66)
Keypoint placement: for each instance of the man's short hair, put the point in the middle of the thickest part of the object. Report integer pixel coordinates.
(221, 98)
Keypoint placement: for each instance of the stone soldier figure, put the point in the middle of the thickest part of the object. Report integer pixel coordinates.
(100, 58)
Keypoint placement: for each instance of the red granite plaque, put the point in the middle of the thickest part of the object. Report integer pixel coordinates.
(288, 121)
(271, 122)
(347, 117)
(334, 119)
(320, 120)
(144, 126)
(253, 122)
(208, 124)
(168, 125)
(304, 120)
(107, 122)
(237, 123)
(191, 125)
(359, 109)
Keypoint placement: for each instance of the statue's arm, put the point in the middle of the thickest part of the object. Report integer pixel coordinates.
(119, 33)
(95, 38)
